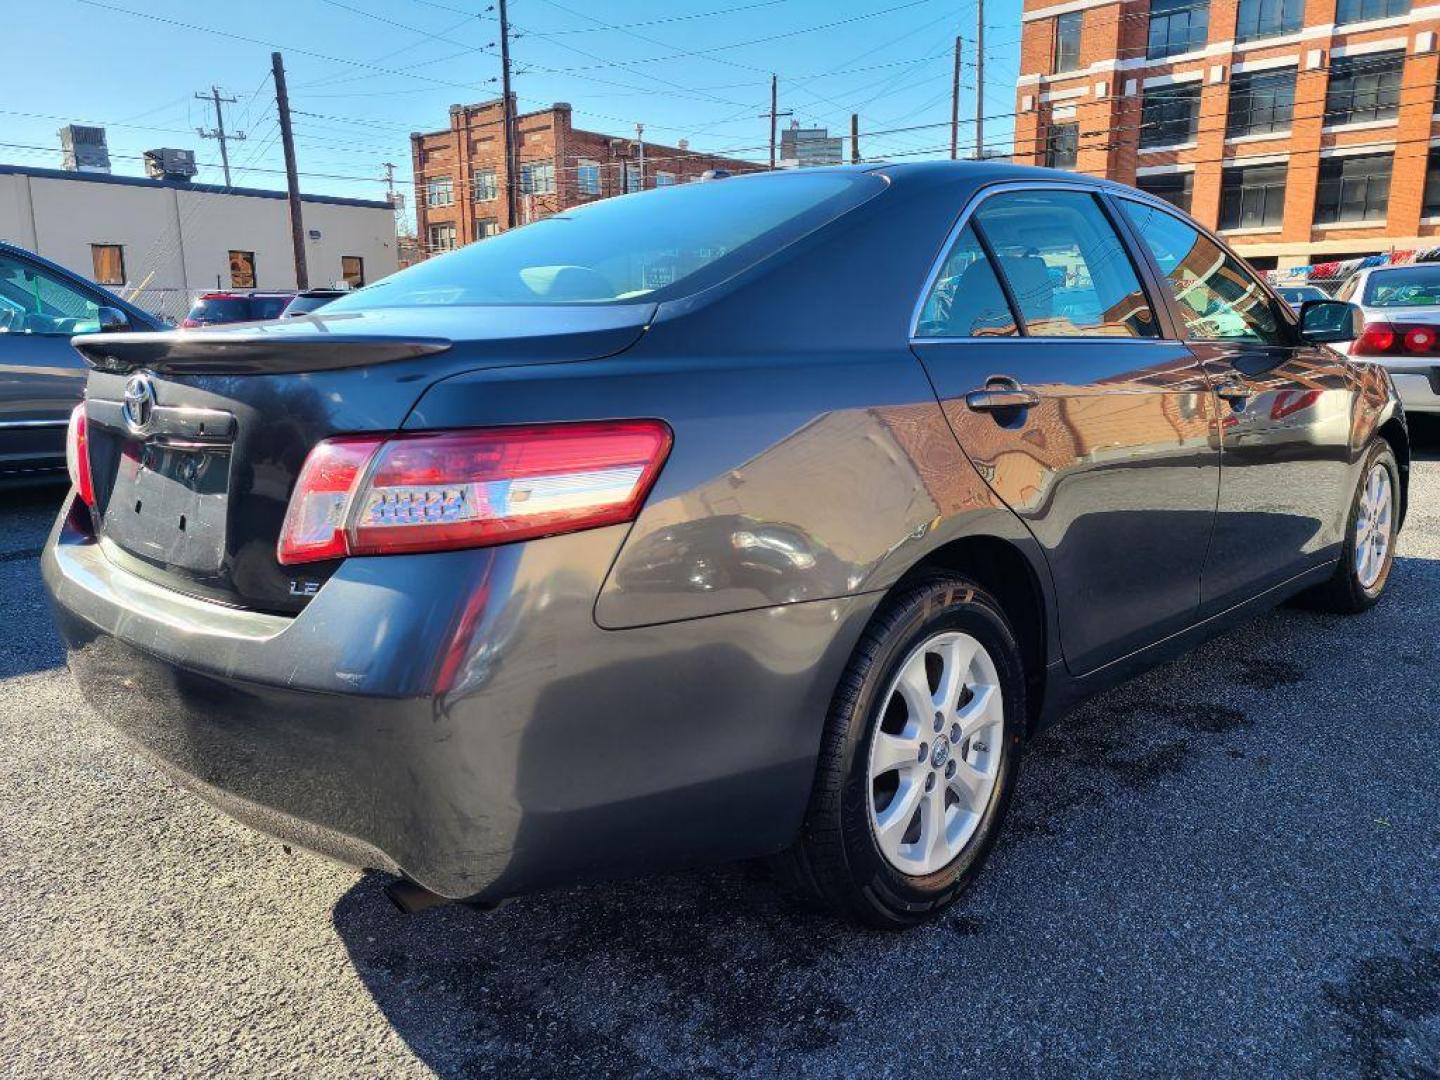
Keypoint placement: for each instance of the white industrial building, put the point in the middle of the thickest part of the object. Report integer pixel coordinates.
(160, 241)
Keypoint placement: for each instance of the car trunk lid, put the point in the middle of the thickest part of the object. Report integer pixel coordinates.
(196, 438)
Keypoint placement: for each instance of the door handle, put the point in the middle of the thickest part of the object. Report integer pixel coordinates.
(1233, 390)
(1001, 393)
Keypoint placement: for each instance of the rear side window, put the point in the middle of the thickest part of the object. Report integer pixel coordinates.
(1219, 299)
(1065, 265)
(966, 299)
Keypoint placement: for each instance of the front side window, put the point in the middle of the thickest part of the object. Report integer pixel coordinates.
(486, 185)
(439, 191)
(966, 299)
(1364, 88)
(537, 178)
(352, 269)
(1261, 103)
(1063, 146)
(1065, 265)
(587, 178)
(1268, 18)
(109, 263)
(1177, 26)
(35, 301)
(1349, 11)
(1219, 299)
(1067, 41)
(1353, 189)
(1253, 197)
(242, 269)
(1175, 188)
(1170, 115)
(660, 244)
(441, 238)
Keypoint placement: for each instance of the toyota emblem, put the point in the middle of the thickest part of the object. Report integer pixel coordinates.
(139, 401)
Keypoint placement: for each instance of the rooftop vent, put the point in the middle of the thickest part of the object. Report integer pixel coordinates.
(170, 164)
(84, 149)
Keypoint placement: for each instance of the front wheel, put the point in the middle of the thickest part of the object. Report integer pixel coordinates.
(1369, 551)
(918, 759)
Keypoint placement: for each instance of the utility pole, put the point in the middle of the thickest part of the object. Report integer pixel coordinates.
(774, 114)
(292, 178)
(955, 104)
(979, 80)
(218, 131)
(508, 124)
(640, 142)
(854, 138)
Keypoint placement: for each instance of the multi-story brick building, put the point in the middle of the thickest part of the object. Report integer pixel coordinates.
(460, 192)
(1304, 131)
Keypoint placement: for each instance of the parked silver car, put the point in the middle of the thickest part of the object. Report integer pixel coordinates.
(1401, 305)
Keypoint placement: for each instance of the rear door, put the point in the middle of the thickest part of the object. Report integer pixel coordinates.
(1058, 377)
(1285, 413)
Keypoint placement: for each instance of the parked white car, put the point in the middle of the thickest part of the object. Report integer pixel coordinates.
(1402, 328)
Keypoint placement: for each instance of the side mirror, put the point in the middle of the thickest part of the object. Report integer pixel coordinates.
(1324, 322)
(111, 320)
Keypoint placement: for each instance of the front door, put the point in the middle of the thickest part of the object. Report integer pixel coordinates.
(1286, 474)
(1055, 371)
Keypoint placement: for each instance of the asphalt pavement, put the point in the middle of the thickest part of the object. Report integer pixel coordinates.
(1230, 866)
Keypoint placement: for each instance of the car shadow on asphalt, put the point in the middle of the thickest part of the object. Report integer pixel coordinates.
(717, 971)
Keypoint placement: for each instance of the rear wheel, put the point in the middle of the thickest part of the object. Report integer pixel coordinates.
(918, 758)
(1369, 550)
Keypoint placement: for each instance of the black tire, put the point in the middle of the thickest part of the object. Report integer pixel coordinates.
(1343, 593)
(837, 860)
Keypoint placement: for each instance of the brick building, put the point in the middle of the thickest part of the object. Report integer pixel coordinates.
(1304, 131)
(460, 172)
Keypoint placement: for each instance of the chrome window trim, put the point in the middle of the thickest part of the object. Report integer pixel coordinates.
(33, 423)
(1004, 187)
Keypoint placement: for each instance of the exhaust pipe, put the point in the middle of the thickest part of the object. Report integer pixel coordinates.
(413, 899)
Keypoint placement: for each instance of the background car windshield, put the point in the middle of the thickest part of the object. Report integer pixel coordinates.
(222, 309)
(648, 246)
(1414, 286)
(267, 307)
(1300, 294)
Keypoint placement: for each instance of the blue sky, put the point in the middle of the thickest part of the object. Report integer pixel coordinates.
(365, 73)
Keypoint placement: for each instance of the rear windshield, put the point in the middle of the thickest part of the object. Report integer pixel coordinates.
(267, 307)
(1413, 286)
(226, 309)
(649, 246)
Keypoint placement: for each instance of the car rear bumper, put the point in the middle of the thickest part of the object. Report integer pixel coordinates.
(1418, 387)
(460, 718)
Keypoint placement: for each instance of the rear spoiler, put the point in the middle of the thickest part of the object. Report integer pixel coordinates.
(257, 351)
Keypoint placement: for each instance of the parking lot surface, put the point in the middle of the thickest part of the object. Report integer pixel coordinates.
(1229, 866)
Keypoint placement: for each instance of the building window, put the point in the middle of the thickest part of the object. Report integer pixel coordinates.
(1253, 198)
(1349, 11)
(1177, 26)
(1267, 18)
(1067, 41)
(1353, 188)
(485, 185)
(1364, 88)
(242, 269)
(664, 179)
(1432, 186)
(1170, 115)
(109, 263)
(587, 177)
(486, 227)
(633, 179)
(439, 191)
(1175, 188)
(1063, 146)
(1261, 103)
(538, 178)
(441, 238)
(352, 269)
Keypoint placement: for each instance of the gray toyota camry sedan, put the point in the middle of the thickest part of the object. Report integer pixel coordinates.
(767, 516)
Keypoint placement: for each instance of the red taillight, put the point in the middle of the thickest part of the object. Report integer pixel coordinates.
(1420, 339)
(1377, 339)
(458, 489)
(189, 324)
(77, 455)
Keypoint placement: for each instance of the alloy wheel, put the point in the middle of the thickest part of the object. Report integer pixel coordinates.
(935, 753)
(1374, 527)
